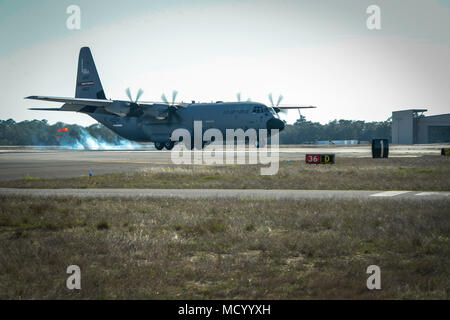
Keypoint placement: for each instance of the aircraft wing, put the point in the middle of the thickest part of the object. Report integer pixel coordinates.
(120, 108)
(294, 107)
(175, 104)
(73, 101)
(284, 108)
(65, 107)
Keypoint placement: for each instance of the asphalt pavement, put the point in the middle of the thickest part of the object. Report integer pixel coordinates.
(409, 196)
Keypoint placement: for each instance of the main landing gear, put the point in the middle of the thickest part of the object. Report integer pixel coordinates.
(168, 145)
(159, 145)
(260, 143)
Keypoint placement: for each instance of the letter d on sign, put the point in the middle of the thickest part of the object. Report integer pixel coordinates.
(74, 280)
(374, 281)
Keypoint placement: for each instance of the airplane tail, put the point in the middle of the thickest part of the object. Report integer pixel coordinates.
(88, 82)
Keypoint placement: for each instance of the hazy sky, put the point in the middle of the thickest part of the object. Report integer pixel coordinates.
(313, 52)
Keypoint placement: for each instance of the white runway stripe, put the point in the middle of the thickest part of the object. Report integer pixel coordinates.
(388, 193)
(432, 193)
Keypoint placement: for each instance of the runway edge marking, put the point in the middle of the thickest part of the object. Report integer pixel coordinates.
(388, 193)
(431, 193)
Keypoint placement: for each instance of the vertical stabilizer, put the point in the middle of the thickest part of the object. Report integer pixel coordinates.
(88, 82)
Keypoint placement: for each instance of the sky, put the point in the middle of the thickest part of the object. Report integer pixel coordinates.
(317, 53)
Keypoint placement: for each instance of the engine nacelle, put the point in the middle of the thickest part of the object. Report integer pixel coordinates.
(158, 111)
(118, 108)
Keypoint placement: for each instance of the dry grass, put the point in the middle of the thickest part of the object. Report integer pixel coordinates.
(189, 249)
(429, 173)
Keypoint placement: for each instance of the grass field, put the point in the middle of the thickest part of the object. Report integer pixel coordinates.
(428, 173)
(249, 249)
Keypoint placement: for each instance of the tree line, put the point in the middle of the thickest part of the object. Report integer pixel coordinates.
(304, 131)
(40, 132)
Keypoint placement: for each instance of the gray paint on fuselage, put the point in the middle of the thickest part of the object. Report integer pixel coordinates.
(126, 127)
(222, 116)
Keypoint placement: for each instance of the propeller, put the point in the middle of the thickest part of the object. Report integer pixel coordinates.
(275, 106)
(134, 108)
(164, 99)
(239, 96)
(128, 92)
(138, 95)
(174, 96)
(279, 100)
(123, 109)
(172, 110)
(280, 97)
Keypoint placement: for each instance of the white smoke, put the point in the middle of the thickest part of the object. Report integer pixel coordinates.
(88, 142)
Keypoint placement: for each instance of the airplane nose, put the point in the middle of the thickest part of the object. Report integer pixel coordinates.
(275, 124)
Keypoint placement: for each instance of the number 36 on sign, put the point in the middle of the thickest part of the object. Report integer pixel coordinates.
(319, 158)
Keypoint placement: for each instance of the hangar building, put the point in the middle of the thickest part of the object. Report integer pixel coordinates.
(411, 127)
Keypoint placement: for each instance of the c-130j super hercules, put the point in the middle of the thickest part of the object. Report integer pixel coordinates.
(155, 121)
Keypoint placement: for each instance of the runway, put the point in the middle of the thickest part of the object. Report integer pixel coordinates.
(54, 162)
(409, 196)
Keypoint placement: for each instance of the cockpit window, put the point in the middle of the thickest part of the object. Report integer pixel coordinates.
(257, 109)
(261, 109)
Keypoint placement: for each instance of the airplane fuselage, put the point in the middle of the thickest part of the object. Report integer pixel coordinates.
(219, 115)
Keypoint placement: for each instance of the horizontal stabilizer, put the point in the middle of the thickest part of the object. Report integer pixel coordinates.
(46, 109)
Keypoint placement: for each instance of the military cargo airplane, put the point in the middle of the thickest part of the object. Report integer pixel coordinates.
(155, 121)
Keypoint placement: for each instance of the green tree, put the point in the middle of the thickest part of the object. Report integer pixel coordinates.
(303, 131)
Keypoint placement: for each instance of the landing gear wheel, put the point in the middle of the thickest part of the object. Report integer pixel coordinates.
(169, 145)
(159, 145)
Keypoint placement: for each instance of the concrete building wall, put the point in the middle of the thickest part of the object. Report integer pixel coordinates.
(408, 128)
(402, 127)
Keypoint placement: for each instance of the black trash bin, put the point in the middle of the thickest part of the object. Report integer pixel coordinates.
(380, 148)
